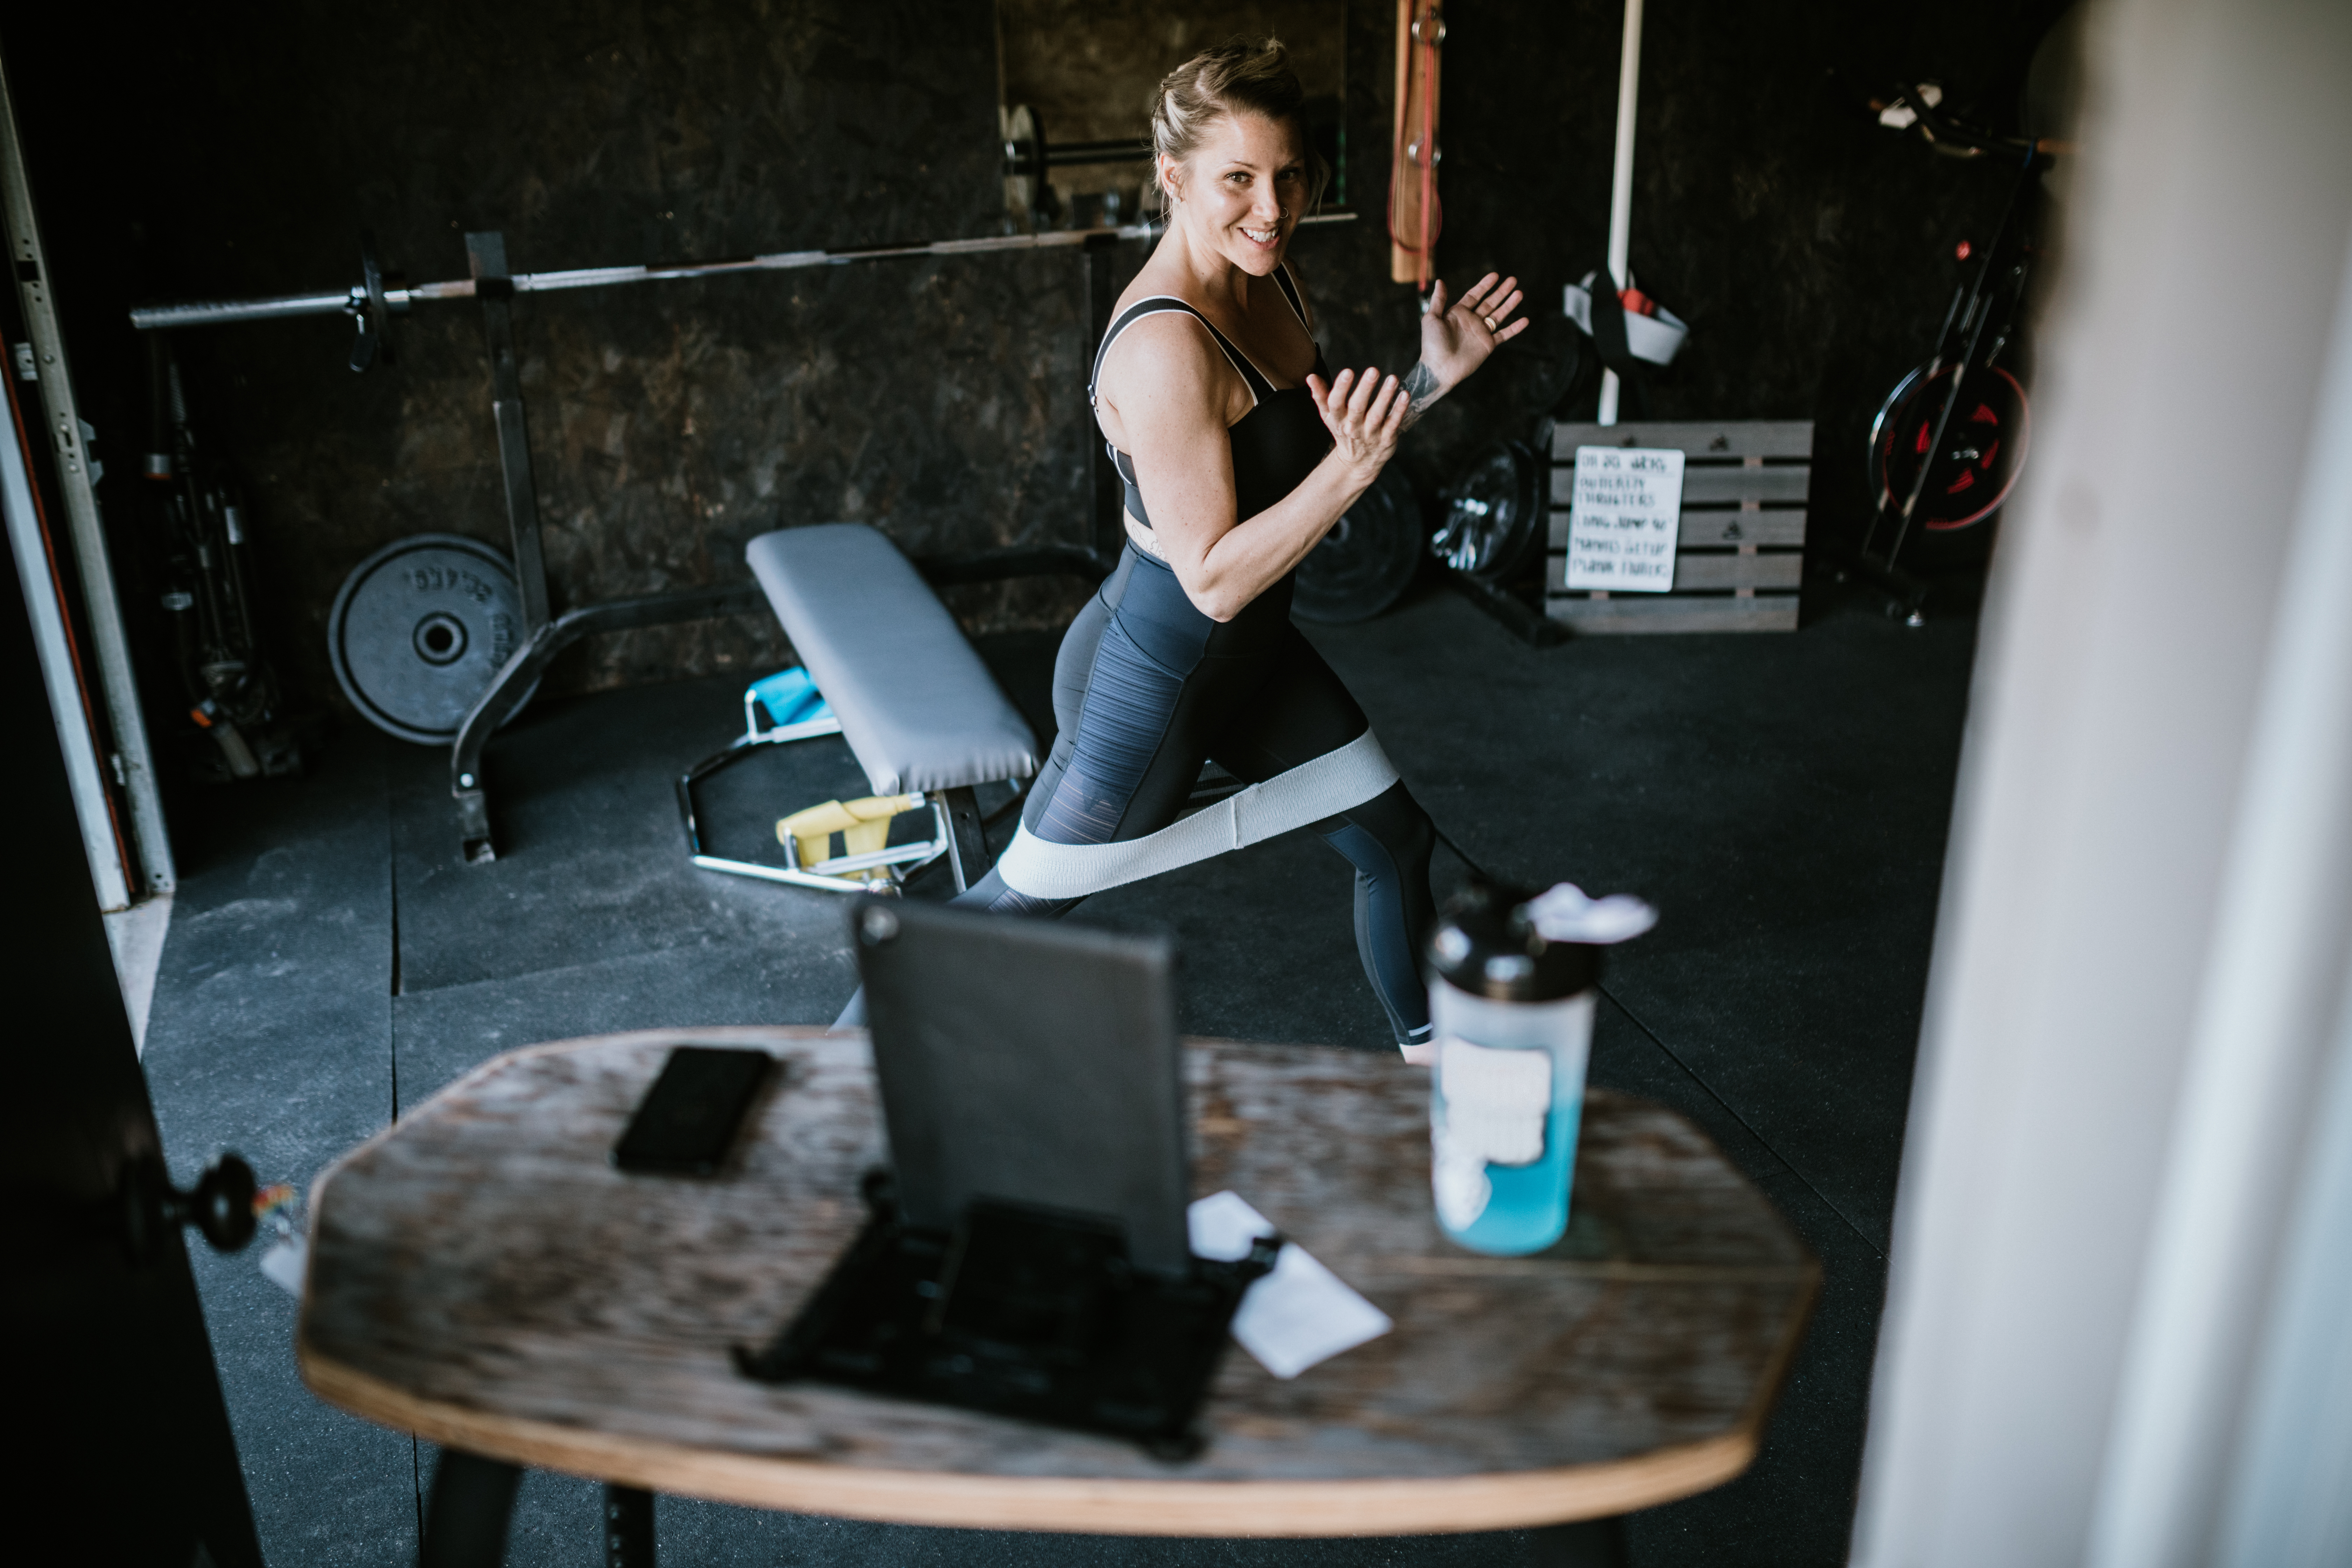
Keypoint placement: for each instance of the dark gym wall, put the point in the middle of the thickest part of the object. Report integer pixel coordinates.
(1810, 249)
(669, 424)
(186, 152)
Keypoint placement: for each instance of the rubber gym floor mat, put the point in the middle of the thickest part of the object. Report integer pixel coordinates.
(442, 1034)
(592, 862)
(1795, 1504)
(271, 1036)
(1783, 800)
(1266, 942)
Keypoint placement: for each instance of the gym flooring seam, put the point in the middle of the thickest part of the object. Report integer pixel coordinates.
(1732, 1111)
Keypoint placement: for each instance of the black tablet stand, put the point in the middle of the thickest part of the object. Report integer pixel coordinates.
(1022, 1311)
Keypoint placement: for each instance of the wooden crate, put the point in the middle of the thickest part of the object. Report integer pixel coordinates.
(1740, 557)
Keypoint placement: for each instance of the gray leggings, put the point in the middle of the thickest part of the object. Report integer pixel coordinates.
(1146, 689)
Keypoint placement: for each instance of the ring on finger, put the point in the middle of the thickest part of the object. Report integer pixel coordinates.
(1490, 320)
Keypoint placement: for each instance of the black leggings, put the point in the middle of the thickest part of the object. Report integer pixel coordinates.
(1146, 689)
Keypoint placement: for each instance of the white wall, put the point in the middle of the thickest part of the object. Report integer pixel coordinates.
(2144, 893)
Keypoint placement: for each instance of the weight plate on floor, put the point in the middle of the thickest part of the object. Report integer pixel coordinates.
(1494, 513)
(418, 630)
(1368, 560)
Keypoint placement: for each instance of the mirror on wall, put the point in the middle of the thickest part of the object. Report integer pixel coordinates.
(1075, 81)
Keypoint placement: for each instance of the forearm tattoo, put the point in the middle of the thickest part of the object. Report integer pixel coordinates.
(1421, 390)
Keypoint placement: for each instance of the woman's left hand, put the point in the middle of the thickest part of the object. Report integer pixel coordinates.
(1458, 335)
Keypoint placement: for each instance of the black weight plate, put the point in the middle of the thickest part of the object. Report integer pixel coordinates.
(1494, 513)
(1984, 445)
(1368, 560)
(418, 630)
(1550, 365)
(374, 343)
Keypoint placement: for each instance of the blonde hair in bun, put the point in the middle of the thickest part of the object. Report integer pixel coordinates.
(1245, 76)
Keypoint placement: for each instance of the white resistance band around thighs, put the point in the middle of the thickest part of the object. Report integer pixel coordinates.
(1320, 787)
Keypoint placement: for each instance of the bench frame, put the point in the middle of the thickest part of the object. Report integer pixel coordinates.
(957, 831)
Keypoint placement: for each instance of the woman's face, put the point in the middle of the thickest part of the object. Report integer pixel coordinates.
(1243, 189)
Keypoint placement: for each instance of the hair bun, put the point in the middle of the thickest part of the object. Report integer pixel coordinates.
(1246, 75)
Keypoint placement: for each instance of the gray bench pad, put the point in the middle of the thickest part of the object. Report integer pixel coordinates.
(916, 704)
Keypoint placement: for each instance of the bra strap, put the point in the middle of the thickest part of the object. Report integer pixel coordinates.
(1289, 287)
(1160, 304)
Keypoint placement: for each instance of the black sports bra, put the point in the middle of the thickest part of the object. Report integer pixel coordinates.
(1275, 445)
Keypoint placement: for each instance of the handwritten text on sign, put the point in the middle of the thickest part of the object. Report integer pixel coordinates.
(1625, 518)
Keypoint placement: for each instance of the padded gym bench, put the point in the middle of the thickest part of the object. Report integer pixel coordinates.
(920, 711)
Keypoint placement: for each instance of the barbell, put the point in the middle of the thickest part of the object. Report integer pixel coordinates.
(381, 294)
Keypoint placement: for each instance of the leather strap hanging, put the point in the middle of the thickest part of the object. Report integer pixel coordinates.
(1415, 215)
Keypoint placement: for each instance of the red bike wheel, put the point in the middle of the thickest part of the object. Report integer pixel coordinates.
(1983, 448)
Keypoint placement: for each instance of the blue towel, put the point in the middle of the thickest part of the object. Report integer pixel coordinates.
(790, 697)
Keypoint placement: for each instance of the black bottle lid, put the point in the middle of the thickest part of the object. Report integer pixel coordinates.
(1487, 944)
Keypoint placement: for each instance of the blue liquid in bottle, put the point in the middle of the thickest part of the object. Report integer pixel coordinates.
(1488, 1206)
(1527, 1208)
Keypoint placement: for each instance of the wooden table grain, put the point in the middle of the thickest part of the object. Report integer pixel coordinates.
(481, 1275)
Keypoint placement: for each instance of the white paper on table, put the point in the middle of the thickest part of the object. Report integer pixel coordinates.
(286, 1263)
(1298, 1314)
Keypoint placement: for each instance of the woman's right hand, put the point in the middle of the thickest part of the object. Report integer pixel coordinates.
(1365, 413)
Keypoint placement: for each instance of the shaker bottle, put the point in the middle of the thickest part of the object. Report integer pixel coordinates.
(1510, 1002)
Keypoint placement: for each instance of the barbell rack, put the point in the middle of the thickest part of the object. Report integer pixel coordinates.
(381, 295)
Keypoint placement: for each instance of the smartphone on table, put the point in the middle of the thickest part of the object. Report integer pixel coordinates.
(690, 1118)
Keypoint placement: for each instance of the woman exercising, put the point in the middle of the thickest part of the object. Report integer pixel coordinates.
(1239, 450)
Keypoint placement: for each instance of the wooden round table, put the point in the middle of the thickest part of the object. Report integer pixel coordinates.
(482, 1276)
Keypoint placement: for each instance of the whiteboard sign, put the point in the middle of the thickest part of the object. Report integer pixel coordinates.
(1625, 519)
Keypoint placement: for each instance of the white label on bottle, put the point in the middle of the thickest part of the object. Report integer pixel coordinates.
(1495, 1101)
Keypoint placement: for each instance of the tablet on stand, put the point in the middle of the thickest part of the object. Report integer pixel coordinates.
(1025, 1254)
